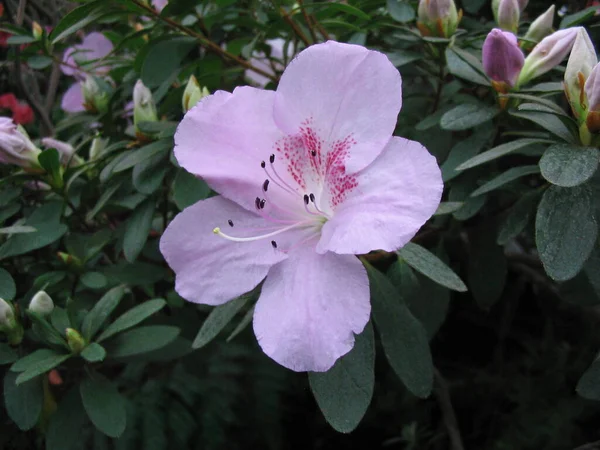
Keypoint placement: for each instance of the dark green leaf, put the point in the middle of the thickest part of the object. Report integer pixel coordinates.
(76, 19)
(7, 354)
(101, 311)
(188, 189)
(141, 340)
(460, 68)
(589, 384)
(464, 150)
(431, 266)
(579, 17)
(38, 62)
(218, 318)
(487, 266)
(67, 423)
(94, 352)
(8, 289)
(37, 363)
(164, 58)
(141, 154)
(518, 218)
(24, 401)
(148, 175)
(403, 338)
(132, 317)
(93, 280)
(465, 116)
(548, 121)
(400, 10)
(565, 230)
(138, 227)
(497, 152)
(569, 165)
(344, 392)
(504, 178)
(104, 405)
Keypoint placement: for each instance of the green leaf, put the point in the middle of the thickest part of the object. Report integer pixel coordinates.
(569, 165)
(8, 289)
(447, 208)
(518, 218)
(403, 338)
(188, 189)
(579, 17)
(132, 317)
(93, 280)
(164, 58)
(45, 220)
(549, 121)
(505, 178)
(37, 363)
(148, 175)
(465, 116)
(460, 68)
(464, 150)
(487, 267)
(16, 229)
(50, 162)
(589, 384)
(20, 40)
(24, 401)
(101, 311)
(141, 154)
(565, 230)
(138, 227)
(107, 194)
(8, 355)
(500, 150)
(137, 273)
(76, 19)
(425, 262)
(218, 318)
(400, 10)
(94, 352)
(344, 392)
(67, 424)
(38, 62)
(45, 331)
(141, 340)
(104, 405)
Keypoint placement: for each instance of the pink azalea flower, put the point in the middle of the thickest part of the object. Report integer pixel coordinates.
(309, 176)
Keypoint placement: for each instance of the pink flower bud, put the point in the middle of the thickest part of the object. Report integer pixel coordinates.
(502, 57)
(15, 146)
(438, 17)
(508, 15)
(592, 92)
(548, 54)
(579, 67)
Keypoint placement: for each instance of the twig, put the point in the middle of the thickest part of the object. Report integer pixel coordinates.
(308, 21)
(294, 26)
(52, 87)
(443, 396)
(206, 43)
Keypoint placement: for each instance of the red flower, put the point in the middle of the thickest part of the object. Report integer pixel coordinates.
(3, 38)
(8, 101)
(22, 114)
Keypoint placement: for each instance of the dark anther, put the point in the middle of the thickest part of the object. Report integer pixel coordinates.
(305, 199)
(262, 203)
(230, 222)
(257, 203)
(312, 198)
(313, 152)
(274, 244)
(263, 164)
(272, 158)
(266, 185)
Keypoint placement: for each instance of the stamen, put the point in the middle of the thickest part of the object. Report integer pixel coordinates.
(262, 203)
(290, 188)
(263, 164)
(305, 199)
(257, 202)
(218, 232)
(283, 186)
(230, 222)
(312, 197)
(272, 158)
(266, 185)
(313, 153)
(274, 244)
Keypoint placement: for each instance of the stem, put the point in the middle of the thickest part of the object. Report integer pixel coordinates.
(206, 43)
(443, 396)
(309, 22)
(294, 26)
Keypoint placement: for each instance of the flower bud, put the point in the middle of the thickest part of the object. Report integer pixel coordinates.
(541, 27)
(41, 303)
(97, 147)
(193, 94)
(592, 91)
(437, 18)
(144, 109)
(508, 15)
(9, 323)
(502, 57)
(547, 54)
(95, 99)
(15, 146)
(7, 314)
(75, 341)
(65, 149)
(36, 30)
(579, 67)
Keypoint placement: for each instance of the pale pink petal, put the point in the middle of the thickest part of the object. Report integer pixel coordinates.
(69, 66)
(225, 137)
(72, 100)
(310, 307)
(208, 268)
(395, 196)
(159, 4)
(94, 46)
(342, 93)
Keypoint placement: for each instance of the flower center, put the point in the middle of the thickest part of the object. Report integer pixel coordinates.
(292, 215)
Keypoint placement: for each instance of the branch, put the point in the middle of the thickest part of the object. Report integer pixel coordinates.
(443, 396)
(309, 22)
(294, 26)
(206, 43)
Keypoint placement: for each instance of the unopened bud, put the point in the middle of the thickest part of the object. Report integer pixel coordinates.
(7, 314)
(579, 67)
(547, 54)
(41, 303)
(193, 94)
(75, 341)
(437, 18)
(592, 91)
(508, 15)
(144, 109)
(502, 57)
(36, 30)
(9, 323)
(541, 27)
(95, 98)
(97, 147)
(15, 146)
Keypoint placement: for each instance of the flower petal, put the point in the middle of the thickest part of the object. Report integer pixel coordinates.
(344, 92)
(72, 100)
(310, 307)
(395, 196)
(225, 137)
(210, 269)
